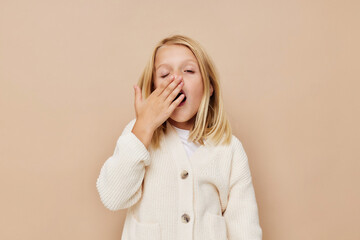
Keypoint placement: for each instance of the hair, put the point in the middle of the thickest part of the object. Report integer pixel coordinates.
(211, 122)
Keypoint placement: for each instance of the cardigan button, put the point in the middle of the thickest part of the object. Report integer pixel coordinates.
(184, 174)
(185, 218)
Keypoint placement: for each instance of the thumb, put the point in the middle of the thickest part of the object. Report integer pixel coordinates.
(138, 97)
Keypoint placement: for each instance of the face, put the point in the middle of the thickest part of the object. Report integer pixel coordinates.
(179, 61)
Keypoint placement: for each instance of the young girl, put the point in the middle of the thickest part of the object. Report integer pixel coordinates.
(176, 167)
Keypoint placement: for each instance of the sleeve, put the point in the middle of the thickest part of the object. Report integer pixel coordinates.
(120, 181)
(241, 213)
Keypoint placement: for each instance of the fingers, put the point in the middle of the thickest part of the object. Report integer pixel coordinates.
(164, 85)
(175, 92)
(169, 91)
(175, 103)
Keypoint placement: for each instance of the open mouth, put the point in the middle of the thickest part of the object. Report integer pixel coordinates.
(184, 99)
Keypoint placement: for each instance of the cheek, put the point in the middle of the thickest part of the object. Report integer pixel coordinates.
(196, 90)
(155, 84)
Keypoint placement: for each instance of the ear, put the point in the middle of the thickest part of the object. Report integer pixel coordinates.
(211, 90)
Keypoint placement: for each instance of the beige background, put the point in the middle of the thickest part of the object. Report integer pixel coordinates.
(289, 73)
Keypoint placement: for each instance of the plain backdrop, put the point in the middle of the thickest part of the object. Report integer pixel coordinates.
(289, 74)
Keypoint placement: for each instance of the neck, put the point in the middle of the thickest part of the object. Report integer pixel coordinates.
(183, 125)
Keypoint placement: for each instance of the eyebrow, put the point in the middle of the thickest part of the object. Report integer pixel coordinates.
(187, 60)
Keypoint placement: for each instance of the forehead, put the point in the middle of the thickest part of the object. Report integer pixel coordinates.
(171, 54)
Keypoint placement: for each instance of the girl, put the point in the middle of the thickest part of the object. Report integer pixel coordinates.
(176, 167)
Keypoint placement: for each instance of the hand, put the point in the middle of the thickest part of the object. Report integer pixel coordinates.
(158, 107)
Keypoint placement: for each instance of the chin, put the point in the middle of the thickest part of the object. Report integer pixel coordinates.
(180, 117)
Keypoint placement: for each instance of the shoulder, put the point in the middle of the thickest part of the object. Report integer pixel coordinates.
(235, 142)
(237, 146)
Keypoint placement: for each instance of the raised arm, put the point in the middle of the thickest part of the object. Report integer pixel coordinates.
(120, 181)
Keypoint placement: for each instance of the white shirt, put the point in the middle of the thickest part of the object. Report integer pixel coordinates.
(189, 146)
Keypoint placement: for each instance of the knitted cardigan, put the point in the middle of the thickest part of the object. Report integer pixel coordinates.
(169, 196)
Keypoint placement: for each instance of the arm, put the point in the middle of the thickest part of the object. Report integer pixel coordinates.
(241, 214)
(120, 181)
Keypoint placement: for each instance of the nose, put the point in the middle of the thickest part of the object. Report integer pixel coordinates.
(177, 76)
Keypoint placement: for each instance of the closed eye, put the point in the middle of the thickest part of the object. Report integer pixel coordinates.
(185, 71)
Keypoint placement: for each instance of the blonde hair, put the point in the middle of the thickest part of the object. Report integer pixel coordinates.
(211, 122)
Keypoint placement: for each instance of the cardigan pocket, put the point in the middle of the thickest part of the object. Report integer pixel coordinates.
(143, 231)
(216, 226)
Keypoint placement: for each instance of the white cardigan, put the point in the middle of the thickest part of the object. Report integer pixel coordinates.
(169, 196)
